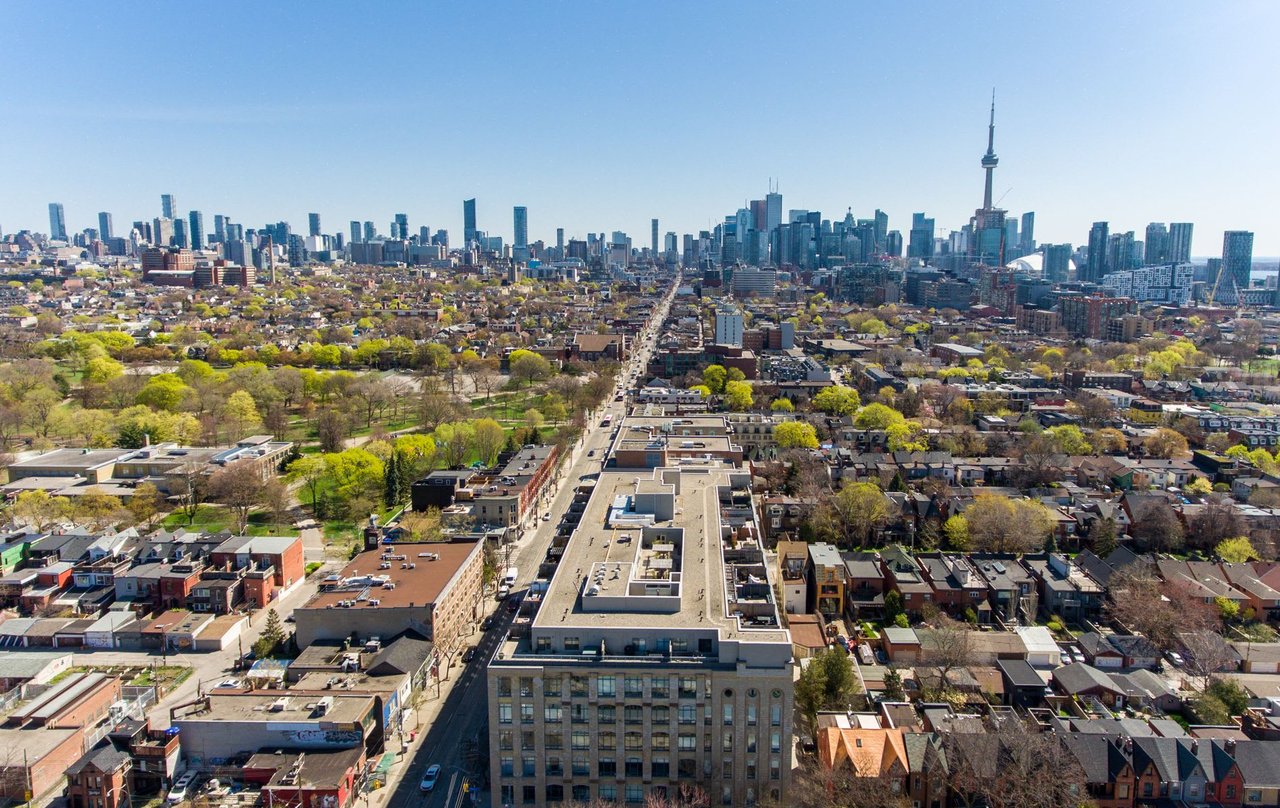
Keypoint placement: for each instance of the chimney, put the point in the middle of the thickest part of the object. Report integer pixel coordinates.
(146, 439)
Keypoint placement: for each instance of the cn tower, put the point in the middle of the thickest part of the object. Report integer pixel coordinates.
(989, 160)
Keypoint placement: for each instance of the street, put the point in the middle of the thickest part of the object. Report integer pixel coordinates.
(462, 717)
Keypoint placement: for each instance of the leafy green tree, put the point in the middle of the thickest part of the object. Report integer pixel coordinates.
(489, 438)
(310, 470)
(782, 405)
(271, 638)
(528, 366)
(714, 378)
(795, 435)
(956, 529)
(702, 390)
(145, 504)
(893, 689)
(892, 604)
(737, 396)
(828, 682)
(1236, 550)
(837, 400)
(242, 412)
(877, 416)
(391, 485)
(1070, 439)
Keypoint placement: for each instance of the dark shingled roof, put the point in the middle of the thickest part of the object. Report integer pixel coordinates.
(405, 655)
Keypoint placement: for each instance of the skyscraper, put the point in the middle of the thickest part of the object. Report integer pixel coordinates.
(654, 237)
(772, 210)
(162, 232)
(105, 231)
(560, 241)
(1157, 244)
(1179, 242)
(355, 231)
(520, 215)
(1096, 262)
(220, 228)
(180, 238)
(57, 222)
(920, 239)
(370, 232)
(1120, 252)
(1237, 257)
(1029, 232)
(989, 160)
(400, 226)
(197, 230)
(1057, 263)
(988, 244)
(882, 230)
(167, 206)
(468, 220)
(313, 224)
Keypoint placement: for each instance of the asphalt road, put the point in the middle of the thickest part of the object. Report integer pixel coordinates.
(463, 718)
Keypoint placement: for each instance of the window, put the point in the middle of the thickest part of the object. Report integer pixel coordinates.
(775, 769)
(529, 765)
(551, 713)
(751, 743)
(661, 687)
(608, 740)
(554, 741)
(686, 768)
(504, 713)
(660, 715)
(775, 741)
(661, 740)
(633, 687)
(581, 766)
(554, 767)
(751, 715)
(508, 766)
(775, 715)
(577, 685)
(530, 794)
(635, 767)
(726, 795)
(505, 739)
(581, 740)
(688, 714)
(634, 740)
(551, 687)
(727, 740)
(688, 687)
(555, 793)
(608, 767)
(726, 767)
(634, 793)
(633, 715)
(579, 713)
(728, 714)
(607, 714)
(528, 739)
(661, 766)
(688, 742)
(606, 687)
(526, 713)
(751, 768)
(504, 687)
(526, 687)
(572, 644)
(582, 793)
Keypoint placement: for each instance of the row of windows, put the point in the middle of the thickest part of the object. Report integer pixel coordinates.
(631, 794)
(632, 714)
(659, 767)
(607, 686)
(636, 741)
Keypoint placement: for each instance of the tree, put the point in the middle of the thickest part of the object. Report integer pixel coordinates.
(1236, 550)
(1110, 441)
(1198, 487)
(190, 485)
(40, 510)
(485, 377)
(271, 638)
(164, 391)
(999, 524)
(813, 785)
(242, 412)
(892, 604)
(1156, 525)
(893, 689)
(714, 378)
(425, 525)
(1217, 519)
(1208, 709)
(828, 682)
(96, 508)
(489, 438)
(956, 529)
(1165, 443)
(528, 366)
(858, 509)
(1070, 439)
(239, 487)
(836, 400)
(946, 645)
(453, 443)
(1145, 604)
(144, 505)
(1102, 537)
(782, 405)
(877, 416)
(391, 482)
(310, 470)
(795, 435)
(906, 436)
(737, 396)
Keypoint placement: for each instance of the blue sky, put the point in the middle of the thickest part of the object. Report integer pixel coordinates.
(600, 116)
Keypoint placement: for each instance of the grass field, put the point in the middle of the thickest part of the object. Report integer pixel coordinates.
(213, 519)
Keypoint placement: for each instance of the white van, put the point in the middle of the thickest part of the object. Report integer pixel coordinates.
(182, 788)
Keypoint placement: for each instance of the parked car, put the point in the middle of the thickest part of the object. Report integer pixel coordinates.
(182, 788)
(469, 654)
(486, 623)
(1175, 659)
(429, 779)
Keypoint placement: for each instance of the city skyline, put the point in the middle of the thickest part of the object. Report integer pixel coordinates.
(1081, 137)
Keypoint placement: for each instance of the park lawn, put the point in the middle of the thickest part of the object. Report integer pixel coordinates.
(213, 519)
(1269, 366)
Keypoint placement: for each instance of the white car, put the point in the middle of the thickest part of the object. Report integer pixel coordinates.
(182, 788)
(228, 683)
(429, 778)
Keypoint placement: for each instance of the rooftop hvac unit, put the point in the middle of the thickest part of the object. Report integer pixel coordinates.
(279, 704)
